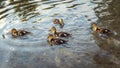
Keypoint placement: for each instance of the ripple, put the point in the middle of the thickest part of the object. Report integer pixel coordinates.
(37, 17)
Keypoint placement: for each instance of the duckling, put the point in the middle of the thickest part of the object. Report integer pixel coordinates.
(59, 34)
(59, 21)
(17, 33)
(100, 30)
(55, 41)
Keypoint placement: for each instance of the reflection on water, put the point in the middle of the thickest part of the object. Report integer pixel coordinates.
(85, 49)
(108, 13)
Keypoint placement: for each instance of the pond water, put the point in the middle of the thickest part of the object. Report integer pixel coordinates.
(85, 49)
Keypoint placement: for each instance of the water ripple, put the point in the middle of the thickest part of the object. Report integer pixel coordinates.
(36, 16)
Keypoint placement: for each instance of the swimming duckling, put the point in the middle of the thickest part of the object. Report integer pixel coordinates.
(59, 34)
(100, 30)
(59, 21)
(18, 33)
(55, 41)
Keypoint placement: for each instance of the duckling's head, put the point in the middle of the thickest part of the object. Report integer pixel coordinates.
(53, 30)
(61, 23)
(95, 27)
(56, 21)
(50, 37)
(14, 32)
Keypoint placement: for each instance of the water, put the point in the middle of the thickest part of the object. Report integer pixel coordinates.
(85, 50)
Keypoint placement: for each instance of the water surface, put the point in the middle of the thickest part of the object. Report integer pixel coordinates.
(85, 49)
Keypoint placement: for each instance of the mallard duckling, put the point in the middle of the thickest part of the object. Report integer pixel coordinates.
(17, 33)
(59, 34)
(55, 41)
(59, 21)
(100, 30)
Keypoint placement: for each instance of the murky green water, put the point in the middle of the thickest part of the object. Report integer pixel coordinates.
(85, 50)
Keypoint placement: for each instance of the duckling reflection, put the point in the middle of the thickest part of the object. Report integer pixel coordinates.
(55, 41)
(59, 34)
(17, 33)
(59, 21)
(101, 30)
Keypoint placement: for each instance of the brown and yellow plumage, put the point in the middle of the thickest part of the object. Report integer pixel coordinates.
(18, 33)
(100, 30)
(59, 34)
(59, 21)
(55, 41)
